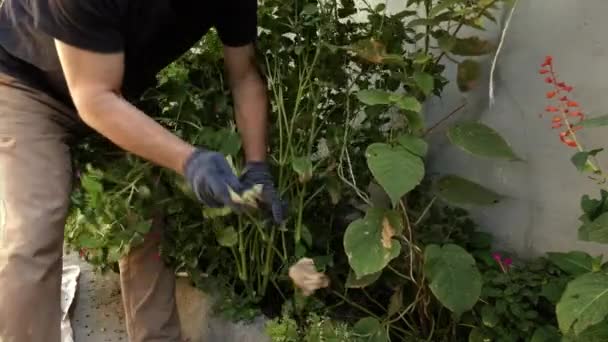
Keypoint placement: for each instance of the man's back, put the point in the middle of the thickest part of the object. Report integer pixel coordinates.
(150, 33)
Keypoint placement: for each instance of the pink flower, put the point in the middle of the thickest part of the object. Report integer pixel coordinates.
(497, 257)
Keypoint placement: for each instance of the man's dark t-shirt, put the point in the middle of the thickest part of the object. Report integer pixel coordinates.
(150, 33)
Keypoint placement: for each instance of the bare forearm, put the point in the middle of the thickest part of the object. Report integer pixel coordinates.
(132, 130)
(251, 105)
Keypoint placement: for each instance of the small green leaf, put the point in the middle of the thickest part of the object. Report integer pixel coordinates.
(478, 335)
(303, 167)
(442, 6)
(596, 230)
(454, 277)
(425, 82)
(306, 235)
(414, 144)
(584, 303)
(460, 191)
(489, 316)
(408, 103)
(357, 283)
(480, 140)
(396, 169)
(446, 42)
(546, 333)
(370, 330)
(415, 122)
(368, 242)
(468, 74)
(472, 46)
(581, 159)
(91, 242)
(554, 289)
(227, 237)
(597, 121)
(372, 97)
(574, 263)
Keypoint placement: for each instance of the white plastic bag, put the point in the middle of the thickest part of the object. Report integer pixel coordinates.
(69, 283)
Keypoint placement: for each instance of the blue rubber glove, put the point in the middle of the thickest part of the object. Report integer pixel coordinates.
(209, 175)
(259, 173)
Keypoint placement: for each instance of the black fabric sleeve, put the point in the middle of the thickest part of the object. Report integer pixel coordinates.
(87, 24)
(237, 22)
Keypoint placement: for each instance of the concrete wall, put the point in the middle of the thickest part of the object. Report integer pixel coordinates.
(544, 192)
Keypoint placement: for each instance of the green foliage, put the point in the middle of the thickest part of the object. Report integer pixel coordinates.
(584, 303)
(515, 303)
(458, 191)
(454, 277)
(481, 141)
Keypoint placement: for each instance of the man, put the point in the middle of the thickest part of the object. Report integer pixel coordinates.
(68, 64)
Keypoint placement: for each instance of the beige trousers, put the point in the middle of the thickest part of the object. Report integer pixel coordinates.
(35, 183)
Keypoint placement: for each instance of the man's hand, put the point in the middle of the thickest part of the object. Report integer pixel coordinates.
(259, 173)
(210, 177)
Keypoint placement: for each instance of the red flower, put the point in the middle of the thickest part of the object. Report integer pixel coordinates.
(576, 114)
(551, 109)
(572, 104)
(548, 80)
(556, 125)
(567, 88)
(561, 84)
(548, 61)
(557, 119)
(551, 94)
(563, 98)
(543, 71)
(563, 136)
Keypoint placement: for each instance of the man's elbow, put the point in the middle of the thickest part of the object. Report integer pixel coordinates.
(90, 102)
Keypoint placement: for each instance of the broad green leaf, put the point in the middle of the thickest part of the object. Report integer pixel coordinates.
(596, 333)
(480, 140)
(408, 103)
(303, 167)
(460, 191)
(357, 283)
(369, 243)
(596, 230)
(580, 159)
(597, 121)
(584, 303)
(472, 46)
(574, 263)
(227, 237)
(414, 144)
(453, 276)
(425, 82)
(546, 333)
(468, 74)
(489, 316)
(478, 335)
(370, 330)
(396, 169)
(216, 212)
(372, 97)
